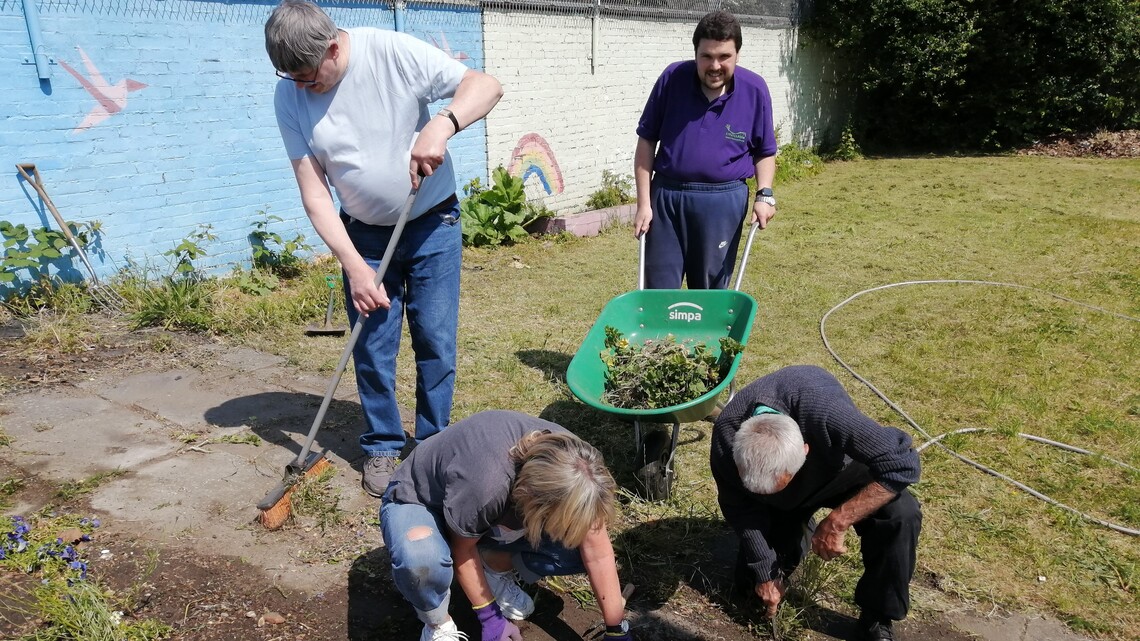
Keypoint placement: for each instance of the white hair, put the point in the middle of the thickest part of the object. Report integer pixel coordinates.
(767, 448)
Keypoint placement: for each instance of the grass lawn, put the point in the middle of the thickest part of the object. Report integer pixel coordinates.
(951, 355)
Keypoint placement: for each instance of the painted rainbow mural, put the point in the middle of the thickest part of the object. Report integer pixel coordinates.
(532, 157)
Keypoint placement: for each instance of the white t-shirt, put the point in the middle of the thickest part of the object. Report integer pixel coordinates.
(361, 131)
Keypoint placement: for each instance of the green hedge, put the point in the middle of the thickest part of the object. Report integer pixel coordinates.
(985, 73)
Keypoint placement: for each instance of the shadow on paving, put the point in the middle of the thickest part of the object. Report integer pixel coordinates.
(264, 414)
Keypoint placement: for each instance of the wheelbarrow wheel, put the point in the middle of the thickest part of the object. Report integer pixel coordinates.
(653, 471)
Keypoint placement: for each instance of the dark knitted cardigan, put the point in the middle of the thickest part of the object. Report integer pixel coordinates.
(836, 433)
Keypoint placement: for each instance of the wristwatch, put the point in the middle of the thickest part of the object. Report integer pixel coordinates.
(618, 630)
(765, 196)
(446, 113)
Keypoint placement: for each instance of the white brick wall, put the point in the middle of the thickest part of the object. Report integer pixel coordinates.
(589, 118)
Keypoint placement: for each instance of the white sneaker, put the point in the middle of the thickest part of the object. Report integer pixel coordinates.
(442, 632)
(514, 603)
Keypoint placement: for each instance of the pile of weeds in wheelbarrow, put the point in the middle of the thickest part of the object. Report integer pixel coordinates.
(663, 372)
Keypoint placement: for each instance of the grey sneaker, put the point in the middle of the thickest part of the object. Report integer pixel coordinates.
(377, 472)
(515, 604)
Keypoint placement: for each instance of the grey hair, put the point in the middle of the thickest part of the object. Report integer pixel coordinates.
(766, 448)
(297, 35)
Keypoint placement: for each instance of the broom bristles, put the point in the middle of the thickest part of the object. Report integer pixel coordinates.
(282, 511)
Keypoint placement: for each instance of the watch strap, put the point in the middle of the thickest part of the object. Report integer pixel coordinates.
(447, 112)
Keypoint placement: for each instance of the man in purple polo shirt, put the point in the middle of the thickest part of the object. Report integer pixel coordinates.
(706, 128)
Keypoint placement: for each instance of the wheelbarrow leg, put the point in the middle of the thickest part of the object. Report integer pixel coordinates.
(655, 461)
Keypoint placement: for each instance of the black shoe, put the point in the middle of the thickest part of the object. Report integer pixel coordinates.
(872, 629)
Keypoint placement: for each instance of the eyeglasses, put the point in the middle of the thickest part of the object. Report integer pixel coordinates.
(285, 76)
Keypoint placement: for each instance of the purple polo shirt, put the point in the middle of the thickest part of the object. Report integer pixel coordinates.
(703, 141)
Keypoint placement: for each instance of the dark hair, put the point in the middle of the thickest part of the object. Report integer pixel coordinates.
(719, 26)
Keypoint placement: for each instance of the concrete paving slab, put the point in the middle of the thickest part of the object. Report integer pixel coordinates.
(1013, 627)
(314, 384)
(194, 399)
(206, 499)
(67, 435)
(242, 359)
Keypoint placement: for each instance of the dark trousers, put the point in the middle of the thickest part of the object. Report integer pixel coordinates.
(888, 540)
(694, 234)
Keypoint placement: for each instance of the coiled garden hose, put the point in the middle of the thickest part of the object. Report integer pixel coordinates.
(936, 440)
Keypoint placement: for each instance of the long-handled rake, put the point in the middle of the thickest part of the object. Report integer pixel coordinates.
(276, 507)
(100, 292)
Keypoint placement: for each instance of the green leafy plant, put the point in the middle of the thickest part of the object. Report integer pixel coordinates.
(32, 250)
(662, 373)
(499, 214)
(257, 282)
(615, 191)
(847, 149)
(794, 162)
(984, 73)
(274, 253)
(189, 250)
(176, 303)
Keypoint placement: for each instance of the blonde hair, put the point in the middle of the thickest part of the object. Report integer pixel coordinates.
(766, 448)
(562, 489)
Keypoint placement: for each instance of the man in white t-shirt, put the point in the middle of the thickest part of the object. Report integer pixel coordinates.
(352, 110)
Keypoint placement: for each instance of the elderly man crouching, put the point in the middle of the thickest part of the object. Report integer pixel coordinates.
(792, 442)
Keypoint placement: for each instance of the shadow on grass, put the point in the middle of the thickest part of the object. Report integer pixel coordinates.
(553, 364)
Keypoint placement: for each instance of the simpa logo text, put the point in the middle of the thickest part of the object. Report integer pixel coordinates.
(688, 312)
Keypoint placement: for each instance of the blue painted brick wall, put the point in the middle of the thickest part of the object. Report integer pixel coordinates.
(198, 145)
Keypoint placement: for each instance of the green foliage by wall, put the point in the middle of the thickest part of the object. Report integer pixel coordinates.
(985, 73)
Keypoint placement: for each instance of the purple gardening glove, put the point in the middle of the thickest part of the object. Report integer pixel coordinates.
(495, 626)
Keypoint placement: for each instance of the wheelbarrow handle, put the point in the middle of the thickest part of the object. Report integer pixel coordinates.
(739, 272)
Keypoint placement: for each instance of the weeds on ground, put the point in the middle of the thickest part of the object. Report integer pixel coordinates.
(794, 162)
(273, 253)
(48, 588)
(847, 149)
(317, 499)
(73, 489)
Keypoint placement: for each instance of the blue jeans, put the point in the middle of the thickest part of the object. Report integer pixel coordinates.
(694, 234)
(422, 569)
(422, 282)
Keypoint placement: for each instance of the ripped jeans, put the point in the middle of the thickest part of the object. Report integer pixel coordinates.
(422, 569)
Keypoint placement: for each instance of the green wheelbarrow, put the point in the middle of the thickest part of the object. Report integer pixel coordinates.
(700, 315)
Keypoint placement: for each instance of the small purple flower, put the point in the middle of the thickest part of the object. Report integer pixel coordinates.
(81, 566)
(94, 522)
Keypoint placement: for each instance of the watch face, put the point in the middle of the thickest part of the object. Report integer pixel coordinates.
(767, 191)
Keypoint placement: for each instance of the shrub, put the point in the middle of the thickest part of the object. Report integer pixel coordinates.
(794, 162)
(847, 149)
(615, 191)
(499, 214)
(985, 73)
